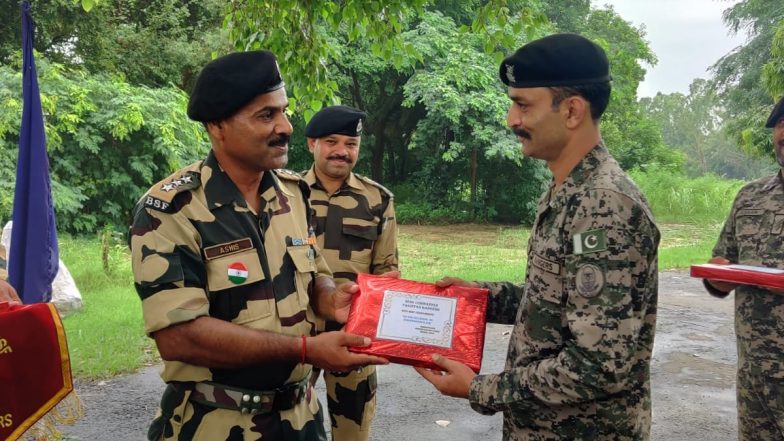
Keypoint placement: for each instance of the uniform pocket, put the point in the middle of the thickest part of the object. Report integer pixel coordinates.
(303, 257)
(233, 275)
(362, 234)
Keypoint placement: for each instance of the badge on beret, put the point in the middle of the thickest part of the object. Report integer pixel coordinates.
(510, 73)
(589, 242)
(238, 272)
(359, 126)
(590, 280)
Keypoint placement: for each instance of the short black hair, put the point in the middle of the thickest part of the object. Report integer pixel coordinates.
(597, 94)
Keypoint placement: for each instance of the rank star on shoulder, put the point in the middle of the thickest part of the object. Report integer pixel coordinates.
(186, 179)
(168, 187)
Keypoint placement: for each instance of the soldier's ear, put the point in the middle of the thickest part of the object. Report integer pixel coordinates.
(215, 129)
(577, 109)
(312, 144)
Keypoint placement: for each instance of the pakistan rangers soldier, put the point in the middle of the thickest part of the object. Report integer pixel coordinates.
(231, 282)
(754, 235)
(578, 365)
(357, 233)
(7, 292)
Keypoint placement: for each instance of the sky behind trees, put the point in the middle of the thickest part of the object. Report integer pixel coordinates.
(687, 36)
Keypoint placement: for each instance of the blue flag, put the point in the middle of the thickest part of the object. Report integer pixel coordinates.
(33, 262)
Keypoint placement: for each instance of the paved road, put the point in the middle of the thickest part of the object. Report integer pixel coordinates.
(692, 374)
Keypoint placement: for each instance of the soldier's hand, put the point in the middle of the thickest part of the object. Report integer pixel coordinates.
(718, 284)
(329, 351)
(8, 293)
(342, 298)
(456, 379)
(447, 281)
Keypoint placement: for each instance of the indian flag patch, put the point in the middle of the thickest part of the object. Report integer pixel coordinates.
(238, 272)
(589, 242)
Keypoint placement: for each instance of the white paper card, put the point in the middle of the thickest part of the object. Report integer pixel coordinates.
(758, 269)
(417, 318)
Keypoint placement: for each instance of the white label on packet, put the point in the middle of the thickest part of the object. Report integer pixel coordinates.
(417, 318)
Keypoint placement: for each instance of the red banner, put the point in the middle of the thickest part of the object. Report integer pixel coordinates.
(409, 321)
(35, 371)
(743, 274)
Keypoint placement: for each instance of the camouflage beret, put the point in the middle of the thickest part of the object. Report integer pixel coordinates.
(556, 60)
(776, 114)
(341, 120)
(228, 83)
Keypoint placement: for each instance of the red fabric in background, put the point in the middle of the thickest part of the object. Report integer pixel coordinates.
(35, 371)
(732, 273)
(468, 337)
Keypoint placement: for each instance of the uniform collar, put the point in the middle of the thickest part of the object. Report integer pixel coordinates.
(313, 181)
(775, 181)
(579, 174)
(220, 190)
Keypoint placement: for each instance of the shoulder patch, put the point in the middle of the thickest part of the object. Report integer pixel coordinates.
(289, 175)
(182, 180)
(375, 184)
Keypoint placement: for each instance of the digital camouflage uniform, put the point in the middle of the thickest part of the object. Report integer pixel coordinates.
(3, 264)
(199, 250)
(578, 366)
(357, 233)
(752, 235)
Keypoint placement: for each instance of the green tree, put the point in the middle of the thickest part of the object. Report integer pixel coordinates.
(738, 76)
(108, 141)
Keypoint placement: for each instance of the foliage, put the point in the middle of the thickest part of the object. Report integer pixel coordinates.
(738, 76)
(151, 42)
(692, 123)
(108, 142)
(673, 197)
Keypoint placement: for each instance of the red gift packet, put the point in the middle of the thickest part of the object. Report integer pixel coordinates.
(35, 370)
(419, 320)
(743, 274)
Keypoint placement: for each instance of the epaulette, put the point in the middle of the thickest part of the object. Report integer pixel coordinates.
(375, 184)
(287, 174)
(161, 195)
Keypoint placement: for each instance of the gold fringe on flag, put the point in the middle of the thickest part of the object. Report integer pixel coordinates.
(67, 411)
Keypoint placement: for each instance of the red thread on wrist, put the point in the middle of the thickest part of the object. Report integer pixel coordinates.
(304, 350)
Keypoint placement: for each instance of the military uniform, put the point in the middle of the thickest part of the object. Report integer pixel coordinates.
(356, 232)
(198, 250)
(752, 235)
(578, 365)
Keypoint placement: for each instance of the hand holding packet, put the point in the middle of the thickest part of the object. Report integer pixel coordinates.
(409, 321)
(743, 274)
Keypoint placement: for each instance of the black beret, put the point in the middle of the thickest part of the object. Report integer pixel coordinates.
(228, 83)
(776, 114)
(341, 120)
(556, 60)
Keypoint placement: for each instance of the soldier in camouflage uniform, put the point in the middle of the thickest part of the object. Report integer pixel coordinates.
(357, 233)
(578, 365)
(230, 278)
(753, 235)
(7, 292)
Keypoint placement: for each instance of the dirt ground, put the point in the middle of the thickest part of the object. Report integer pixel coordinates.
(693, 384)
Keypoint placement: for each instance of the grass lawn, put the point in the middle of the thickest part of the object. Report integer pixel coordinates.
(107, 336)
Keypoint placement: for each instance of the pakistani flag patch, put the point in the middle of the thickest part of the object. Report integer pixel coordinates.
(238, 272)
(589, 242)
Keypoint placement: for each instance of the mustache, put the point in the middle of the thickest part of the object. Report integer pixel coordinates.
(280, 141)
(522, 133)
(341, 157)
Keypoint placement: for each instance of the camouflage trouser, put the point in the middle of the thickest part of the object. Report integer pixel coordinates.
(183, 420)
(351, 399)
(760, 395)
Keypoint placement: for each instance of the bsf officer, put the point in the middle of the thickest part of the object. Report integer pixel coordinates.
(229, 274)
(357, 233)
(578, 364)
(753, 235)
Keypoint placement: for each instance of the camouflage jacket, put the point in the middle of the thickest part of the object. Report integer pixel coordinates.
(752, 235)
(3, 264)
(578, 365)
(199, 250)
(355, 227)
